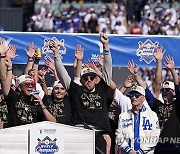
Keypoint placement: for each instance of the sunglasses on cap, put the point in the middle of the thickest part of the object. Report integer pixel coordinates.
(86, 78)
(131, 95)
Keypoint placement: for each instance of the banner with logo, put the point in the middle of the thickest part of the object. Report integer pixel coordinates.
(46, 141)
(140, 49)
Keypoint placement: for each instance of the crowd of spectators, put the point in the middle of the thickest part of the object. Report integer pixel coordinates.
(125, 17)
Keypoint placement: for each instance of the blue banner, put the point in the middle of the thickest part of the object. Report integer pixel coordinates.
(123, 48)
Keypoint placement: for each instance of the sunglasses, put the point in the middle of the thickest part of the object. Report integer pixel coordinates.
(131, 95)
(165, 89)
(28, 84)
(86, 78)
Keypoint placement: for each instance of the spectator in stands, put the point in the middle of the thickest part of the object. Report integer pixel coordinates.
(136, 29)
(162, 18)
(93, 24)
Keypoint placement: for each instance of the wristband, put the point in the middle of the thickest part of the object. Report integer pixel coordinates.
(9, 69)
(30, 60)
(43, 107)
(2, 56)
(43, 82)
(125, 87)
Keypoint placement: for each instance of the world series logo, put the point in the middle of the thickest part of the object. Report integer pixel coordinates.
(48, 52)
(46, 146)
(146, 50)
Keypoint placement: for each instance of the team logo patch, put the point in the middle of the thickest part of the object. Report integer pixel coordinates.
(46, 146)
(48, 52)
(146, 50)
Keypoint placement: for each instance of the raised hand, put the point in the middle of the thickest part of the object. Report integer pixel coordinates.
(104, 38)
(159, 54)
(91, 64)
(79, 52)
(41, 74)
(31, 51)
(50, 63)
(129, 81)
(3, 48)
(8, 63)
(53, 45)
(132, 67)
(11, 52)
(100, 60)
(169, 62)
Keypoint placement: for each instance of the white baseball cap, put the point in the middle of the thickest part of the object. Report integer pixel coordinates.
(23, 78)
(138, 89)
(168, 84)
(57, 83)
(87, 71)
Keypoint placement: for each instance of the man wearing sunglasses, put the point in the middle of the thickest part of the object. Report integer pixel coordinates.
(138, 129)
(89, 100)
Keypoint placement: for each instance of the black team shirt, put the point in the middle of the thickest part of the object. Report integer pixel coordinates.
(90, 107)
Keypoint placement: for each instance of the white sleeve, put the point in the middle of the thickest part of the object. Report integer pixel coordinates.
(77, 80)
(122, 101)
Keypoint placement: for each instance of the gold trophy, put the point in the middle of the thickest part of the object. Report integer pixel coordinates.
(39, 53)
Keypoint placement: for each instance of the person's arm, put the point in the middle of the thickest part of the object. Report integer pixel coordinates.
(35, 67)
(41, 77)
(123, 102)
(60, 69)
(8, 75)
(47, 114)
(169, 63)
(127, 84)
(107, 67)
(30, 53)
(133, 68)
(112, 89)
(158, 73)
(11, 54)
(78, 54)
(50, 64)
(3, 50)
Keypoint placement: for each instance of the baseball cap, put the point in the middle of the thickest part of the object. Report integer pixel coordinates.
(138, 89)
(57, 83)
(23, 78)
(87, 71)
(168, 84)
